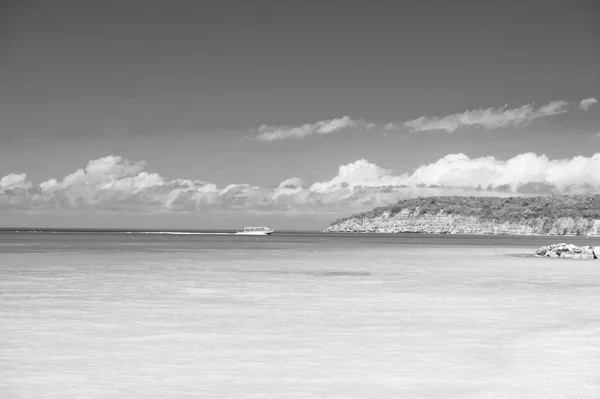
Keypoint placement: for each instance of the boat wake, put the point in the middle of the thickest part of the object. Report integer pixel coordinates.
(180, 233)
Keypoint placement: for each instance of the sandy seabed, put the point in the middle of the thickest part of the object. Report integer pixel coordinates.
(460, 322)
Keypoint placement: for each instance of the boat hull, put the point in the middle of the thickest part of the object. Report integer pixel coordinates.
(254, 233)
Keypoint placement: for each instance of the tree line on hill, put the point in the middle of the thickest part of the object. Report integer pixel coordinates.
(496, 209)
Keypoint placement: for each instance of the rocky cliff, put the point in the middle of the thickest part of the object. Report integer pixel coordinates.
(571, 216)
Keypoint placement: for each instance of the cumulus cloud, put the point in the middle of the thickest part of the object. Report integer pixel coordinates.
(113, 183)
(489, 118)
(586, 103)
(270, 133)
(14, 181)
(391, 126)
(563, 175)
(359, 174)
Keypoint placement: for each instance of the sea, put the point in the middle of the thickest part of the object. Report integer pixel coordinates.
(188, 314)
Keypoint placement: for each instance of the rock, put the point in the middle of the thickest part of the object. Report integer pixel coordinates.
(587, 251)
(568, 251)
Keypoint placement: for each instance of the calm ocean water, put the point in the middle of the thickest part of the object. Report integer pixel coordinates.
(295, 315)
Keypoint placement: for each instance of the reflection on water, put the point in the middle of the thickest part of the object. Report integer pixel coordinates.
(295, 321)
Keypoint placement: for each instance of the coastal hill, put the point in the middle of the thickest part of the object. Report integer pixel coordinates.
(572, 215)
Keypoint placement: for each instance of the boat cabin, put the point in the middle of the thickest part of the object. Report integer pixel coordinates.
(261, 228)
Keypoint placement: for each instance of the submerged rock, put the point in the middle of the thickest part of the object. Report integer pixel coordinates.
(569, 251)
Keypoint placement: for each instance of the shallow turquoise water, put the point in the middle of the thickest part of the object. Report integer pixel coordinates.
(132, 241)
(295, 316)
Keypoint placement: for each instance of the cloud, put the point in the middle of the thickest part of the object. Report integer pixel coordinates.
(564, 175)
(113, 183)
(391, 126)
(14, 181)
(271, 133)
(586, 103)
(488, 118)
(359, 174)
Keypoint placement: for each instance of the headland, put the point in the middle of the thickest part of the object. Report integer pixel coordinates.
(565, 215)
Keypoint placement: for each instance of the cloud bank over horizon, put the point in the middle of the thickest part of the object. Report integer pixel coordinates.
(113, 183)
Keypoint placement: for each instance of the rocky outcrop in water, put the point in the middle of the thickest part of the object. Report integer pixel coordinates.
(569, 251)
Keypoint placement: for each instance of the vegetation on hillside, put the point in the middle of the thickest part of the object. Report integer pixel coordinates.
(511, 209)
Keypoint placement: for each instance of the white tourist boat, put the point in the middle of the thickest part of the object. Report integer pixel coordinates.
(256, 231)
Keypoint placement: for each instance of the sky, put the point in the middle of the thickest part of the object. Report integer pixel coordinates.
(221, 114)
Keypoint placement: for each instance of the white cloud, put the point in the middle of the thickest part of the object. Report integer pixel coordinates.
(489, 118)
(359, 174)
(270, 133)
(563, 175)
(116, 184)
(586, 103)
(14, 181)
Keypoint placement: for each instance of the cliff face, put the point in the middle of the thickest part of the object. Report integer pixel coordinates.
(409, 220)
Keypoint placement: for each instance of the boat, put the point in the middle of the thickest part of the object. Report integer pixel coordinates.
(255, 231)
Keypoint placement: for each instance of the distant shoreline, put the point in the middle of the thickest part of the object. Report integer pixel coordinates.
(91, 230)
(111, 230)
(227, 232)
(560, 216)
(425, 233)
